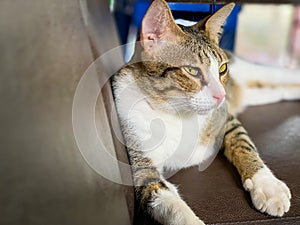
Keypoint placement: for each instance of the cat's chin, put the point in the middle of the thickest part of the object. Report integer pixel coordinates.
(187, 106)
(188, 109)
(203, 111)
(205, 107)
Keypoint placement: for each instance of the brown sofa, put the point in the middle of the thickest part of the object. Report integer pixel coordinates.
(45, 49)
(275, 130)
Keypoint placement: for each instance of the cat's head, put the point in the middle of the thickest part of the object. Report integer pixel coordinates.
(182, 66)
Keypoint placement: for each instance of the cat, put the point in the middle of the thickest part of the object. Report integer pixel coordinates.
(177, 104)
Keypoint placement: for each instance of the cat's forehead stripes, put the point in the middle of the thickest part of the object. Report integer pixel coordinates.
(203, 46)
(207, 50)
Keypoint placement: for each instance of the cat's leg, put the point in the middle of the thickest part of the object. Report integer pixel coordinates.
(157, 196)
(268, 193)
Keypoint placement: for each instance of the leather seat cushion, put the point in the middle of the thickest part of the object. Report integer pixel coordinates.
(217, 195)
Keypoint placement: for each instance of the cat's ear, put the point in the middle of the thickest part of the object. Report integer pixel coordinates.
(213, 25)
(158, 26)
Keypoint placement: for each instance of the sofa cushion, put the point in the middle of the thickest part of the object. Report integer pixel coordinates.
(217, 195)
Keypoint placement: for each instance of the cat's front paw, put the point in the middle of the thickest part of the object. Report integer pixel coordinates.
(199, 222)
(269, 194)
(169, 209)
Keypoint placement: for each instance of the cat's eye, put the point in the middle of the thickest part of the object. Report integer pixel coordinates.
(191, 70)
(223, 69)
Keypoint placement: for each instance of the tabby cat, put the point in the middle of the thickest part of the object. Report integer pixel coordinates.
(178, 77)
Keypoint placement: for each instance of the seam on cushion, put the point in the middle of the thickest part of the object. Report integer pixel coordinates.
(255, 221)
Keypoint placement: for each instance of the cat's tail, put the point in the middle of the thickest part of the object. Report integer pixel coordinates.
(254, 84)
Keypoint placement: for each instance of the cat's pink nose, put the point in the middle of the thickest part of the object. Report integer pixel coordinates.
(219, 98)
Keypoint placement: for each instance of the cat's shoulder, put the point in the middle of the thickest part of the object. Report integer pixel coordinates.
(125, 72)
(122, 78)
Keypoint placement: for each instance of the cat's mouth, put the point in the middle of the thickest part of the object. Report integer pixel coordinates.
(205, 103)
(200, 105)
(203, 109)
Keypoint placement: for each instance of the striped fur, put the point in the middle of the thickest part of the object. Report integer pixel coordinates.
(240, 150)
(176, 77)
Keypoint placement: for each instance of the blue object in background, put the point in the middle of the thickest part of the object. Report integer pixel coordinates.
(194, 12)
(141, 7)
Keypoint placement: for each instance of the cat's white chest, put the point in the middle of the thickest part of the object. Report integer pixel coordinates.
(175, 140)
(171, 140)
